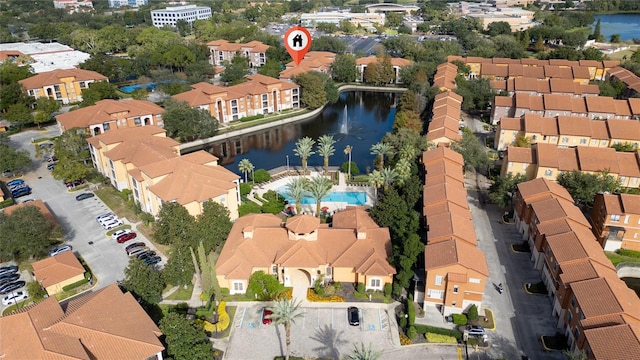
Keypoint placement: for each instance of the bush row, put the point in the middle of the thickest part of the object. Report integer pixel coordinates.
(75, 284)
(423, 329)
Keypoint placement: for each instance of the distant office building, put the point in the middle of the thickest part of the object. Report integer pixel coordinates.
(171, 15)
(73, 6)
(131, 3)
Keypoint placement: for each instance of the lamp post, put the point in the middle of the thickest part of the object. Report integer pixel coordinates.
(287, 164)
(347, 150)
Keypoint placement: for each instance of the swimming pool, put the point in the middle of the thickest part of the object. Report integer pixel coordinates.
(350, 197)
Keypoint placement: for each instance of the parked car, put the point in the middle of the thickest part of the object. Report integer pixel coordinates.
(8, 270)
(60, 249)
(117, 234)
(21, 192)
(266, 312)
(475, 330)
(101, 216)
(7, 172)
(11, 287)
(27, 201)
(17, 186)
(126, 237)
(145, 254)
(134, 245)
(72, 184)
(152, 260)
(52, 159)
(51, 166)
(137, 250)
(112, 224)
(8, 278)
(107, 219)
(84, 196)
(354, 316)
(13, 298)
(15, 182)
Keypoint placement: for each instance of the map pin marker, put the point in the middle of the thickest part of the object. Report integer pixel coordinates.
(297, 41)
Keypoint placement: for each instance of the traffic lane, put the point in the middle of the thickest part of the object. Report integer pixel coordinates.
(320, 332)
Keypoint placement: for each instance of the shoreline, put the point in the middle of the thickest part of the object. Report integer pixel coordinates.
(201, 143)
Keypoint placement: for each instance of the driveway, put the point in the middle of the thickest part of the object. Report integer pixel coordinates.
(106, 258)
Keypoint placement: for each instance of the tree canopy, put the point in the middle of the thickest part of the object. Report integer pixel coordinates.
(174, 225)
(472, 151)
(184, 340)
(583, 187)
(74, 158)
(187, 123)
(11, 158)
(26, 234)
(343, 68)
(143, 281)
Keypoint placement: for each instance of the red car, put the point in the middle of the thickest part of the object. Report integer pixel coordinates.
(266, 312)
(126, 237)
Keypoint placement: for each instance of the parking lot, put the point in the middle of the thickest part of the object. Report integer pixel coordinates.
(321, 332)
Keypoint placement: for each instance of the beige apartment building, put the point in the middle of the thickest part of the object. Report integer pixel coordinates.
(259, 95)
(63, 85)
(145, 161)
(354, 250)
(616, 221)
(567, 131)
(224, 51)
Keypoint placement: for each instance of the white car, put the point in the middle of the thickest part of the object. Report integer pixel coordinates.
(112, 224)
(60, 249)
(14, 297)
(115, 235)
(105, 215)
(107, 219)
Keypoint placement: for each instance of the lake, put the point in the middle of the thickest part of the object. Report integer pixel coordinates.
(359, 119)
(627, 25)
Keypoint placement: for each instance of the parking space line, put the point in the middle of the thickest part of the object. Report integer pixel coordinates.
(332, 318)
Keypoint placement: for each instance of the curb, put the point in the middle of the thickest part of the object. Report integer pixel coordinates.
(493, 318)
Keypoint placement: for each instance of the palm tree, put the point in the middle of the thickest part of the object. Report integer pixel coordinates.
(363, 353)
(245, 166)
(326, 149)
(380, 150)
(286, 312)
(347, 151)
(408, 152)
(376, 180)
(403, 170)
(319, 187)
(304, 149)
(388, 177)
(297, 189)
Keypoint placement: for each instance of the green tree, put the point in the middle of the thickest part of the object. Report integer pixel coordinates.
(263, 287)
(408, 101)
(212, 225)
(304, 149)
(45, 107)
(10, 158)
(36, 291)
(187, 123)
(97, 91)
(26, 234)
(583, 187)
(523, 141)
(364, 353)
(376, 180)
(597, 35)
(388, 177)
(296, 188)
(178, 57)
(326, 149)
(74, 158)
(12, 73)
(271, 68)
(347, 151)
(343, 68)
(329, 43)
(472, 151)
(245, 166)
(319, 187)
(184, 340)
(347, 27)
(19, 114)
(498, 28)
(179, 269)
(625, 147)
(393, 20)
(143, 281)
(286, 312)
(13, 94)
(371, 74)
(476, 93)
(615, 38)
(312, 88)
(184, 28)
(174, 225)
(380, 150)
(501, 190)
(235, 71)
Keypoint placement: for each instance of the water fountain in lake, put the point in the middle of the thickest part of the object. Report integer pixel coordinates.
(344, 122)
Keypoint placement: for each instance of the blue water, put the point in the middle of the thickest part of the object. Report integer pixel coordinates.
(350, 197)
(627, 25)
(131, 88)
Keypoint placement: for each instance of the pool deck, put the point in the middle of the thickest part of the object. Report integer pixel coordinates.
(311, 208)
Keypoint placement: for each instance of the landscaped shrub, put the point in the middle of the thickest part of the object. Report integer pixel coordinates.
(75, 284)
(354, 168)
(223, 318)
(630, 253)
(360, 288)
(411, 332)
(249, 207)
(411, 311)
(260, 175)
(472, 314)
(441, 339)
(423, 329)
(250, 118)
(402, 323)
(329, 289)
(318, 287)
(312, 296)
(460, 319)
(387, 290)
(6, 203)
(225, 291)
(337, 285)
(404, 340)
(245, 189)
(263, 286)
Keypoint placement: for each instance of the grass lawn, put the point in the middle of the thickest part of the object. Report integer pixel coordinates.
(617, 258)
(620, 54)
(181, 293)
(113, 200)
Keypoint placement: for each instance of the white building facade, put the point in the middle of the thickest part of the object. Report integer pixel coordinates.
(171, 15)
(131, 3)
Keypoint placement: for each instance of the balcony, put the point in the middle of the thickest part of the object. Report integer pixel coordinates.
(616, 233)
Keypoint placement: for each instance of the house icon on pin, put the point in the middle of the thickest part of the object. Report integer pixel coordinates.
(297, 41)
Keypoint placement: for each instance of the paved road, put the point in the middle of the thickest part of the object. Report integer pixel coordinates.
(106, 258)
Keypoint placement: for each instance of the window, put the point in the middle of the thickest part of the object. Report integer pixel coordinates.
(106, 126)
(626, 219)
(435, 294)
(136, 120)
(328, 271)
(274, 269)
(615, 218)
(455, 289)
(510, 164)
(238, 286)
(548, 172)
(438, 280)
(565, 139)
(83, 84)
(583, 141)
(375, 283)
(474, 281)
(623, 179)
